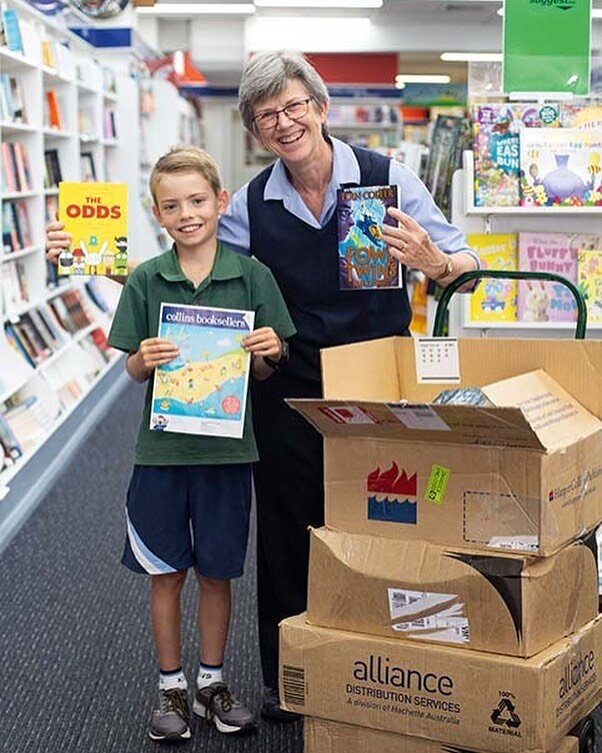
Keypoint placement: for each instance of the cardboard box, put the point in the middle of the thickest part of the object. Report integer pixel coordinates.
(526, 474)
(322, 736)
(469, 699)
(505, 603)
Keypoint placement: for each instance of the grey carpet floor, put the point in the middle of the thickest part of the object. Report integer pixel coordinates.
(77, 672)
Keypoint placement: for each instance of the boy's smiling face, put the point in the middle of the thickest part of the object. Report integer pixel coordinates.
(189, 209)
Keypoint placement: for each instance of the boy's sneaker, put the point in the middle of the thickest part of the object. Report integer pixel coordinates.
(171, 721)
(216, 704)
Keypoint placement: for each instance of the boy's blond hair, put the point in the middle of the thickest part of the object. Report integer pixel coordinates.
(186, 159)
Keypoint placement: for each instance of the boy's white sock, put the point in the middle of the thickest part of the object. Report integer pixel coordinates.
(172, 680)
(208, 674)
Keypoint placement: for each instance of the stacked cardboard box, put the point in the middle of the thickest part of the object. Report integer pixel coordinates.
(322, 736)
(453, 527)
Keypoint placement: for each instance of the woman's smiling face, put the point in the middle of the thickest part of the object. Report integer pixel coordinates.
(291, 140)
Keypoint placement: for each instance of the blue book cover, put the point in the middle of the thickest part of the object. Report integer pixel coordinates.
(12, 31)
(364, 262)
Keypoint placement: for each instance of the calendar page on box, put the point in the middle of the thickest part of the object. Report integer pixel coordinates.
(437, 360)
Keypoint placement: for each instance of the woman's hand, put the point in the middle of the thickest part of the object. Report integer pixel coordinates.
(412, 246)
(57, 240)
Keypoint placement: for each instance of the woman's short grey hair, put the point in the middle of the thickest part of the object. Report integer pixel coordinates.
(267, 73)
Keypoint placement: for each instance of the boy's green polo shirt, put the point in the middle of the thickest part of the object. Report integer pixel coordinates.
(235, 282)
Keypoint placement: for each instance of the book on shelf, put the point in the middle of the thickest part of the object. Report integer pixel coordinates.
(53, 110)
(587, 115)
(589, 275)
(494, 300)
(20, 348)
(109, 80)
(22, 338)
(109, 124)
(28, 419)
(560, 167)
(47, 53)
(9, 444)
(204, 389)
(451, 135)
(16, 172)
(12, 31)
(96, 216)
(88, 167)
(496, 146)
(364, 262)
(549, 301)
(70, 311)
(13, 280)
(53, 174)
(12, 108)
(16, 230)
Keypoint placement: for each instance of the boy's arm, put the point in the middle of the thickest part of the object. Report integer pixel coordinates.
(153, 352)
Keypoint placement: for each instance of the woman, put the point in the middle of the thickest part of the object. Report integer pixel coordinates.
(286, 218)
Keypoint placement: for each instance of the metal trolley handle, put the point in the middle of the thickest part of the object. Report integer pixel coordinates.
(516, 275)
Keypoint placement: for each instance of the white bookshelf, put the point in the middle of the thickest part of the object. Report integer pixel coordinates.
(158, 134)
(472, 219)
(78, 81)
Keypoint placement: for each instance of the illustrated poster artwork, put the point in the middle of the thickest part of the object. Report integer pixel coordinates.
(364, 262)
(204, 390)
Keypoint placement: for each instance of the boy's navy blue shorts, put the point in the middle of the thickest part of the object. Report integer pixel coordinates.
(181, 516)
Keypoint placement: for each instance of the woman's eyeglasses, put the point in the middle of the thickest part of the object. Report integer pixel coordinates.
(265, 121)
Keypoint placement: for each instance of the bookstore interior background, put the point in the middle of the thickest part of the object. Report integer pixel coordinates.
(97, 91)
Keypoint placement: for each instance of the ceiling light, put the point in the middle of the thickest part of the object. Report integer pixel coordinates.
(319, 3)
(403, 78)
(191, 9)
(472, 57)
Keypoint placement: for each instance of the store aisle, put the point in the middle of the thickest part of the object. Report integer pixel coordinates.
(77, 668)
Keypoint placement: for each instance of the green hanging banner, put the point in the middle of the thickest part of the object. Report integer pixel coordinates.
(547, 46)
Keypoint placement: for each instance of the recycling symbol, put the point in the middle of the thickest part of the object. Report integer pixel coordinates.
(505, 714)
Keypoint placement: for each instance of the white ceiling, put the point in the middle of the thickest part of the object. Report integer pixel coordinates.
(419, 30)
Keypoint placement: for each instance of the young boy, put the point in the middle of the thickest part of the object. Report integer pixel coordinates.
(189, 496)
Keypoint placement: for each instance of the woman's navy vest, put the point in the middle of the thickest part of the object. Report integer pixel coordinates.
(304, 261)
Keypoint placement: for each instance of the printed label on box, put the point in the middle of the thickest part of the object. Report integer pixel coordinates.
(348, 414)
(519, 543)
(448, 623)
(437, 484)
(437, 360)
(418, 417)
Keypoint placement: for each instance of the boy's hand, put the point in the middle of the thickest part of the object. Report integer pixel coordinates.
(56, 240)
(155, 351)
(263, 342)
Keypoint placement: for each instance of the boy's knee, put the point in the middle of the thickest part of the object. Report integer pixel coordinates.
(169, 580)
(212, 584)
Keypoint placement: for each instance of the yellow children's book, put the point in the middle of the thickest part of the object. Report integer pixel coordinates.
(494, 300)
(589, 270)
(96, 216)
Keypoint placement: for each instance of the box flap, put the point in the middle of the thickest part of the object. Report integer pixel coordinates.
(553, 414)
(458, 424)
